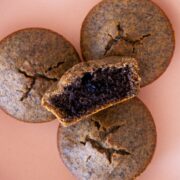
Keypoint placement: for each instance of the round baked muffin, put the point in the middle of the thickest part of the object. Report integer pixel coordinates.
(90, 87)
(31, 60)
(130, 27)
(117, 143)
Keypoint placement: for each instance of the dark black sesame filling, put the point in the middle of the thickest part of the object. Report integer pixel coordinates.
(93, 90)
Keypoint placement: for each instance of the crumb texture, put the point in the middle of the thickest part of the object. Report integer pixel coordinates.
(139, 29)
(117, 143)
(31, 60)
(95, 89)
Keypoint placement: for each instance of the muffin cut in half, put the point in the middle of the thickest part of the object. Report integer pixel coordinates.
(91, 86)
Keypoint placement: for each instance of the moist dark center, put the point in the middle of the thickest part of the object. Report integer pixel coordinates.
(93, 90)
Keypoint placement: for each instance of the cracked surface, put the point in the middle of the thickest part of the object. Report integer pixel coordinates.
(33, 81)
(92, 86)
(31, 60)
(122, 44)
(108, 151)
(130, 28)
(54, 67)
(121, 153)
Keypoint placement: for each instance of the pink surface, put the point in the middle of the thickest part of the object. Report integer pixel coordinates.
(29, 151)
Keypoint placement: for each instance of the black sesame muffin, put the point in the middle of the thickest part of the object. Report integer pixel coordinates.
(130, 27)
(31, 60)
(115, 144)
(92, 86)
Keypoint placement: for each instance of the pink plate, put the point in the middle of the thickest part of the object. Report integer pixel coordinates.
(29, 151)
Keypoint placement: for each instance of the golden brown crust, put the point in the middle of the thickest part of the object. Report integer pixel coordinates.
(59, 114)
(77, 71)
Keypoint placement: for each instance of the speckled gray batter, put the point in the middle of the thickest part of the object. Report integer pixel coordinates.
(31, 60)
(115, 144)
(136, 28)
